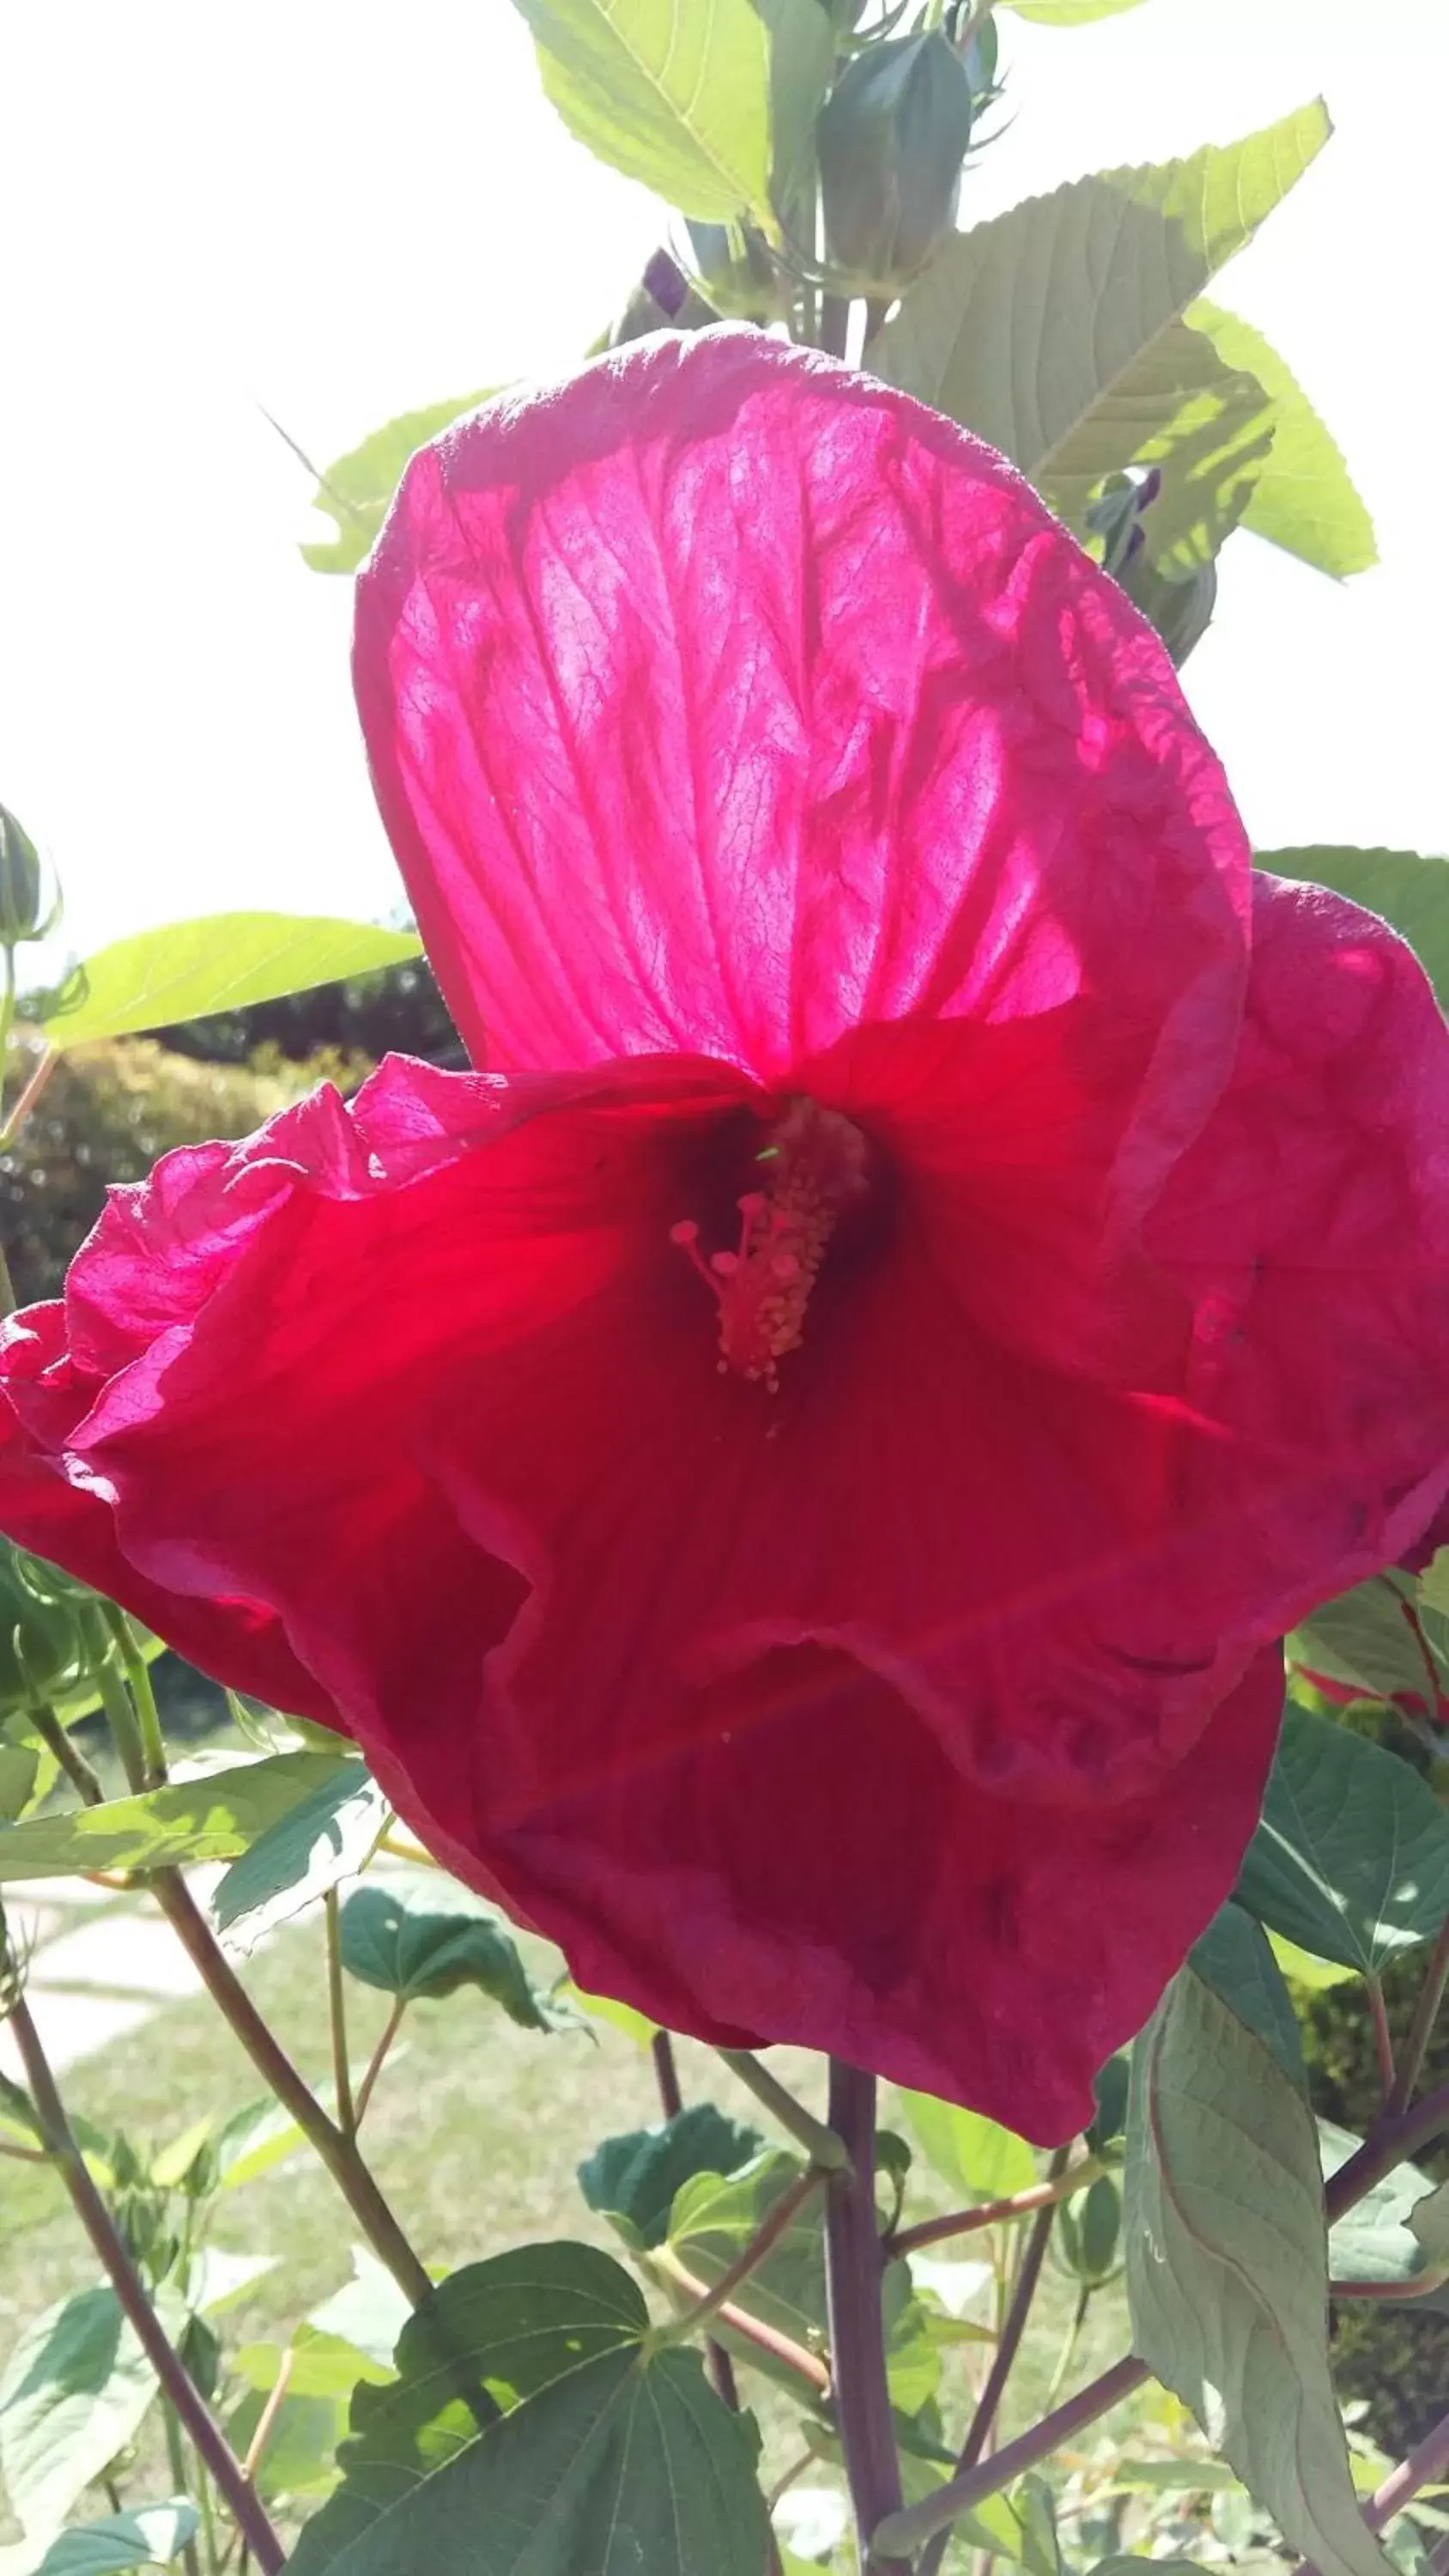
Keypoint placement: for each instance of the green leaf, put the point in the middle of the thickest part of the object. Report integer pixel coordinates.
(1351, 1858)
(408, 1951)
(208, 1819)
(300, 2456)
(152, 2536)
(802, 57)
(1306, 1970)
(1227, 2271)
(369, 2311)
(1056, 331)
(632, 2179)
(1232, 1956)
(1409, 892)
(1304, 498)
(599, 2436)
(978, 2159)
(19, 1771)
(356, 490)
(73, 2393)
(223, 962)
(1377, 2239)
(1068, 13)
(327, 1837)
(675, 93)
(318, 2364)
(634, 2025)
(1363, 1640)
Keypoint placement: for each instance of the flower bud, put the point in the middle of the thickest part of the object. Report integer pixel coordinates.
(1089, 2232)
(39, 1635)
(21, 916)
(1179, 605)
(891, 139)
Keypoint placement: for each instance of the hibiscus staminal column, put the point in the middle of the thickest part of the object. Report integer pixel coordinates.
(853, 2268)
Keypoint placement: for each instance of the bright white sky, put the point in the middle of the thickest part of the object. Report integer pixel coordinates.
(343, 209)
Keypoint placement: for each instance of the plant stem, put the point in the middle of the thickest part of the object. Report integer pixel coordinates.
(853, 2267)
(176, 2381)
(338, 2153)
(138, 1682)
(45, 1067)
(378, 2059)
(805, 2364)
(767, 2235)
(1388, 2143)
(7, 1290)
(176, 2462)
(337, 2017)
(820, 2142)
(1421, 2028)
(268, 2416)
(1383, 2038)
(1425, 2466)
(908, 2530)
(666, 2075)
(993, 2213)
(115, 1698)
(70, 1757)
(1007, 2347)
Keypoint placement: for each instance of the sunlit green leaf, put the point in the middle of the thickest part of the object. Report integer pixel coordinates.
(326, 1838)
(1232, 1956)
(212, 1818)
(633, 2179)
(355, 489)
(73, 2393)
(154, 2535)
(1227, 2270)
(1378, 2239)
(1351, 1858)
(1409, 892)
(1068, 13)
(409, 1949)
(223, 962)
(675, 93)
(1056, 331)
(970, 2152)
(1304, 498)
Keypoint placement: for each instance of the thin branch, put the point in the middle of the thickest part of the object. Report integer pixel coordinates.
(767, 2235)
(1389, 2143)
(853, 2270)
(176, 2381)
(1007, 2346)
(268, 2416)
(806, 2365)
(1421, 2028)
(996, 2213)
(49, 1059)
(820, 2143)
(1383, 2038)
(378, 2059)
(666, 2075)
(906, 2532)
(337, 2017)
(72, 1761)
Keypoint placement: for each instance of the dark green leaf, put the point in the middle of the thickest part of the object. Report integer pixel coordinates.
(1304, 498)
(326, 1838)
(1409, 892)
(408, 1951)
(19, 1771)
(1351, 1859)
(978, 2159)
(633, 2179)
(357, 489)
(1363, 1640)
(212, 1818)
(152, 2536)
(675, 95)
(223, 962)
(1374, 2241)
(614, 2460)
(72, 2395)
(1233, 1958)
(1227, 2271)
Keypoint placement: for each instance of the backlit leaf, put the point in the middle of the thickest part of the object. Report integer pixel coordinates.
(1409, 892)
(73, 2393)
(1304, 498)
(154, 2535)
(356, 490)
(1378, 2240)
(223, 962)
(633, 2179)
(978, 2159)
(1351, 1857)
(326, 1838)
(675, 93)
(1207, 426)
(212, 1818)
(1227, 2271)
(1056, 331)
(409, 1950)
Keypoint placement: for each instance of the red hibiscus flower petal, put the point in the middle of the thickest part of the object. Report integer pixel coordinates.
(721, 700)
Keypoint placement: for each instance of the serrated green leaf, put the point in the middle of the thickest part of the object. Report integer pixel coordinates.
(408, 1950)
(73, 2393)
(1409, 892)
(356, 490)
(971, 2153)
(1056, 331)
(1232, 1956)
(675, 93)
(223, 962)
(154, 2535)
(633, 2179)
(1227, 2271)
(213, 1818)
(1351, 1858)
(326, 1838)
(613, 2458)
(1068, 13)
(1304, 498)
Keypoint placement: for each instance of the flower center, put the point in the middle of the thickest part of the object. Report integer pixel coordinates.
(812, 1168)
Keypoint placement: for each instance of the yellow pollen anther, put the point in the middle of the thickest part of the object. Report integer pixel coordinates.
(816, 1163)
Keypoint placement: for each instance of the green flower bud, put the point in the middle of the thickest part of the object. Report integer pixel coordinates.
(40, 1648)
(1180, 608)
(1089, 2232)
(21, 888)
(891, 139)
